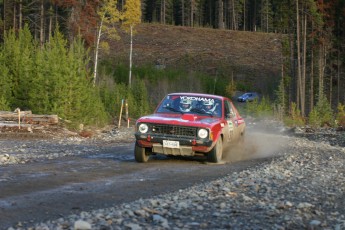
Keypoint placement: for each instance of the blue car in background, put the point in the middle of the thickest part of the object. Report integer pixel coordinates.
(250, 96)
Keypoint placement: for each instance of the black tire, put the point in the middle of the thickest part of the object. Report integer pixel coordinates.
(140, 154)
(215, 155)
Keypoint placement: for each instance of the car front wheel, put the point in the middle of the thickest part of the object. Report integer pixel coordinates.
(140, 154)
(215, 155)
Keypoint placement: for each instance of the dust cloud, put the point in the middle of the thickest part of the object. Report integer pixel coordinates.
(257, 143)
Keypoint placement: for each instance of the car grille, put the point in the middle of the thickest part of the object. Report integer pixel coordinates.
(180, 131)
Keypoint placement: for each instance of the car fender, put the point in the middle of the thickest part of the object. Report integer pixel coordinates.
(218, 132)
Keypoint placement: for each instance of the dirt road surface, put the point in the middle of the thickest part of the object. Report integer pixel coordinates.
(47, 188)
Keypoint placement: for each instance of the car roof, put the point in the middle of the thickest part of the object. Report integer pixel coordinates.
(198, 94)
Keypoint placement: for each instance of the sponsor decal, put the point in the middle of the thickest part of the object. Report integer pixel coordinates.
(231, 130)
(192, 98)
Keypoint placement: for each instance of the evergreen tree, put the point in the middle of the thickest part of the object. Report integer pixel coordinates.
(322, 114)
(140, 103)
(63, 84)
(5, 83)
(39, 99)
(84, 104)
(18, 58)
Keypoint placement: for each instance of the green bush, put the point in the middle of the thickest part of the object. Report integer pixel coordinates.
(259, 108)
(322, 114)
(3, 104)
(114, 96)
(341, 115)
(314, 119)
(294, 118)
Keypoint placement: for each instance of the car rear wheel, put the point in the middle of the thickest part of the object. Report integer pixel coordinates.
(140, 154)
(215, 155)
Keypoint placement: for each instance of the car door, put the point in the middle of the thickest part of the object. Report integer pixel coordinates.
(229, 115)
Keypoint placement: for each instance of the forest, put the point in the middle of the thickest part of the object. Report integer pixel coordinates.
(53, 54)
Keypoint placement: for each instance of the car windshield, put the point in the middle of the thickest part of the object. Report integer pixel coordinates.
(199, 105)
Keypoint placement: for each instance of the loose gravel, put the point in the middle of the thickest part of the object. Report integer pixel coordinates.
(302, 187)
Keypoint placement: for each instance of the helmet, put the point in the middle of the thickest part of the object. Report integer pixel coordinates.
(208, 103)
(185, 105)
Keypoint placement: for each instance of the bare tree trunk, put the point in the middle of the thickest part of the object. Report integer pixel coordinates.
(254, 17)
(267, 24)
(42, 23)
(227, 14)
(321, 64)
(20, 14)
(312, 80)
(312, 74)
(14, 16)
(210, 13)
(130, 59)
(50, 24)
(338, 75)
(283, 92)
(234, 27)
(192, 13)
(292, 68)
(299, 78)
(220, 14)
(4, 13)
(162, 12)
(330, 86)
(96, 52)
(303, 94)
(244, 15)
(182, 2)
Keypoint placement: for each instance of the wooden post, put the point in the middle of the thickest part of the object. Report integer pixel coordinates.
(18, 111)
(127, 118)
(120, 113)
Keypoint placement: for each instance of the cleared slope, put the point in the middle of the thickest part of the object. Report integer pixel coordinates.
(247, 55)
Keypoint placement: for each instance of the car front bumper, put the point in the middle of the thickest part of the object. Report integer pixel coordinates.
(187, 146)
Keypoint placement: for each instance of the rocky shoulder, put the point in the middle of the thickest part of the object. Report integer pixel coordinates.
(301, 187)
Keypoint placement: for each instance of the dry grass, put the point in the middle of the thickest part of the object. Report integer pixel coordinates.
(247, 54)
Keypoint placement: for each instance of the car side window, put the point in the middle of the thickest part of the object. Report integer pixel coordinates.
(229, 111)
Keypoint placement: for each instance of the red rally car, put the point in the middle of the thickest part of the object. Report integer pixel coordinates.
(189, 124)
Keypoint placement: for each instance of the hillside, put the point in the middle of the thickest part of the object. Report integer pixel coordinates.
(253, 58)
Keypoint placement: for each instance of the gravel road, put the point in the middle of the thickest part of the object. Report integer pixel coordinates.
(302, 187)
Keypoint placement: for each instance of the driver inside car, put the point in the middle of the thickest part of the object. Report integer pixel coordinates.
(185, 105)
(209, 107)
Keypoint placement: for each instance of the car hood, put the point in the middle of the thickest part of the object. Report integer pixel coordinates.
(180, 119)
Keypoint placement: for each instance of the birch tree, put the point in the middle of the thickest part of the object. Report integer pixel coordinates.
(131, 17)
(109, 15)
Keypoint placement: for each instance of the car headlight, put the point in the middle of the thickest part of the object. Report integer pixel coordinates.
(202, 133)
(143, 128)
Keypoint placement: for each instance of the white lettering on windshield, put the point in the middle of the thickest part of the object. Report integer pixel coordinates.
(192, 98)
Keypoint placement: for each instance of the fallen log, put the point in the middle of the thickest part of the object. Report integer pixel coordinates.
(42, 119)
(28, 118)
(6, 115)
